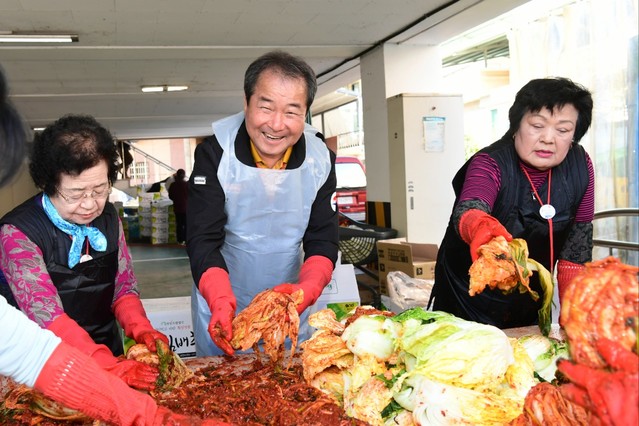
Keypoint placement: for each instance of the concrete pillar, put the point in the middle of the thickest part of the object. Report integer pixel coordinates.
(387, 71)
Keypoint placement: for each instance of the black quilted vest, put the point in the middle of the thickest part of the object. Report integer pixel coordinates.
(517, 209)
(87, 289)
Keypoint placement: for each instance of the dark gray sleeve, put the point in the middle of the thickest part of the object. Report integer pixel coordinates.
(578, 245)
(205, 215)
(321, 236)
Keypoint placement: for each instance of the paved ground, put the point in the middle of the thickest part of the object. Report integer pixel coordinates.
(163, 271)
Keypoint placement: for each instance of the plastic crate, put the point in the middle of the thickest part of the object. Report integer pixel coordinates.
(358, 241)
(358, 245)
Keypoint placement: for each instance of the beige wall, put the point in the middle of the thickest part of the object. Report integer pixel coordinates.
(16, 191)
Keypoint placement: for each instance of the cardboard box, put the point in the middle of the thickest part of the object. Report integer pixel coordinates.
(172, 316)
(341, 294)
(414, 259)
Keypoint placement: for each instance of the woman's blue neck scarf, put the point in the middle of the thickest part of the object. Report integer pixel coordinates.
(78, 233)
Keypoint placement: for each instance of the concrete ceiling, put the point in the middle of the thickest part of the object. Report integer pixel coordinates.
(204, 44)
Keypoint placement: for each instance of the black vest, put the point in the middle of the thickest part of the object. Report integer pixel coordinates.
(86, 290)
(516, 209)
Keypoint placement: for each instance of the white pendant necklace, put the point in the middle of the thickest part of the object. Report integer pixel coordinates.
(86, 256)
(547, 211)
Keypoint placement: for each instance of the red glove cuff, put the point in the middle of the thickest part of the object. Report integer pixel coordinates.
(315, 273)
(477, 228)
(215, 284)
(566, 271)
(131, 315)
(70, 332)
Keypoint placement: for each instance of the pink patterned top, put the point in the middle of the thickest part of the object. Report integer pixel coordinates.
(24, 268)
(483, 181)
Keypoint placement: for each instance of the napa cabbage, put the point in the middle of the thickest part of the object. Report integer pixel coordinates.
(372, 335)
(456, 351)
(544, 352)
(439, 403)
(437, 368)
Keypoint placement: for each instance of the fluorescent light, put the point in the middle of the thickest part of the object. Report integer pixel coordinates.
(148, 89)
(347, 92)
(38, 129)
(16, 37)
(164, 88)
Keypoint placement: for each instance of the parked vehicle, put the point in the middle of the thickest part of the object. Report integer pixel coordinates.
(351, 187)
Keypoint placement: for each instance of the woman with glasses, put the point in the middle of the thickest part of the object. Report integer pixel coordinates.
(37, 358)
(64, 255)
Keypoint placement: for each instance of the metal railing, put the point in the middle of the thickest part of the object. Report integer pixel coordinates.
(133, 177)
(630, 246)
(150, 157)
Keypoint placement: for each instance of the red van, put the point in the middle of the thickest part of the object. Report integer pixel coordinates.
(351, 187)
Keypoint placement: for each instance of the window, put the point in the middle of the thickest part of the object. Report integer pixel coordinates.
(139, 170)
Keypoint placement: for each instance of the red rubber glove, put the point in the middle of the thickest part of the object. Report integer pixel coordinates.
(130, 314)
(566, 271)
(477, 228)
(134, 373)
(315, 274)
(77, 381)
(215, 287)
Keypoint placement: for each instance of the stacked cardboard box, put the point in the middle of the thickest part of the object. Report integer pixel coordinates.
(162, 222)
(417, 260)
(144, 210)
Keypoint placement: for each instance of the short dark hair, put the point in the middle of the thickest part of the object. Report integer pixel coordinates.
(285, 64)
(551, 93)
(71, 145)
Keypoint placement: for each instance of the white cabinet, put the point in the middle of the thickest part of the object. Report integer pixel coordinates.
(426, 148)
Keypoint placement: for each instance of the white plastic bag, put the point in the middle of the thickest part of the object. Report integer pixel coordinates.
(407, 292)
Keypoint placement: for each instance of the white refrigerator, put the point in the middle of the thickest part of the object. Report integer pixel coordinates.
(426, 148)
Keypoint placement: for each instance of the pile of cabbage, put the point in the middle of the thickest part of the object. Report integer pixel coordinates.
(430, 368)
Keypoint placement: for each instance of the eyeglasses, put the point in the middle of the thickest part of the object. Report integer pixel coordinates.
(96, 194)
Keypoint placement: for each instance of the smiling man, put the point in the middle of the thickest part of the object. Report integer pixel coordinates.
(259, 212)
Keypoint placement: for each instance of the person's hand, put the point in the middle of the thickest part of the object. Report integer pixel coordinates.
(315, 273)
(149, 339)
(164, 416)
(135, 374)
(221, 325)
(477, 228)
(215, 287)
(75, 380)
(130, 313)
